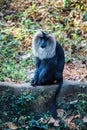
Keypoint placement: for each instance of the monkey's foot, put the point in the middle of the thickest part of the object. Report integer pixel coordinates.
(33, 83)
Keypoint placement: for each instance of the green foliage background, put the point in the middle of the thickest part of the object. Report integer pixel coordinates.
(20, 19)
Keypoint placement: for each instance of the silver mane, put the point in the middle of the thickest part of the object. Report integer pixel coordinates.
(46, 53)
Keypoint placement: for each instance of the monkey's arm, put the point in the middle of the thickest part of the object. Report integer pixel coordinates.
(46, 75)
(36, 74)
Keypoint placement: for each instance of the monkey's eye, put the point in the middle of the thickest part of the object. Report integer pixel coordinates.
(41, 38)
(44, 39)
(47, 38)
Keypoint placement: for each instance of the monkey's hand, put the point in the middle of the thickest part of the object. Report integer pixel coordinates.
(33, 82)
(35, 79)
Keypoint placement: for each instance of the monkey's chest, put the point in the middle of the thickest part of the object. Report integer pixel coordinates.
(49, 64)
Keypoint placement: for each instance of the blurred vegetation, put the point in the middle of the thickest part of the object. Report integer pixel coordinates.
(72, 115)
(20, 19)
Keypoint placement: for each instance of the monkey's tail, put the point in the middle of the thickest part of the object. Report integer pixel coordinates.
(54, 107)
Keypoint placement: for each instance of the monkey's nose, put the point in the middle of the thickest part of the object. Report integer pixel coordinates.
(42, 46)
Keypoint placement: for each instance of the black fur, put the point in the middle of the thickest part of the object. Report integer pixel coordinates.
(48, 70)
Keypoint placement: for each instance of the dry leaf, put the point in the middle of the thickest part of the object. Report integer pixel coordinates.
(60, 3)
(42, 120)
(70, 124)
(75, 101)
(68, 120)
(85, 119)
(51, 129)
(73, 126)
(28, 41)
(12, 126)
(77, 116)
(27, 56)
(54, 122)
(60, 112)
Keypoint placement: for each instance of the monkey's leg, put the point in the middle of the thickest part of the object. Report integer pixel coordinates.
(35, 79)
(45, 78)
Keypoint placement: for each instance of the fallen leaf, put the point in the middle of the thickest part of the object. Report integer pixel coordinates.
(28, 41)
(54, 122)
(75, 101)
(27, 56)
(85, 119)
(42, 120)
(12, 126)
(77, 116)
(51, 129)
(68, 120)
(70, 124)
(60, 112)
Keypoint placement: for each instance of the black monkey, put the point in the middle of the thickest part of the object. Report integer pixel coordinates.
(50, 62)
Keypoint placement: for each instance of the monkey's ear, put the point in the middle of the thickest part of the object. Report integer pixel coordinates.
(40, 30)
(38, 34)
(52, 37)
(36, 39)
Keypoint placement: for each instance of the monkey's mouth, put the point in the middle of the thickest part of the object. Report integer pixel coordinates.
(42, 49)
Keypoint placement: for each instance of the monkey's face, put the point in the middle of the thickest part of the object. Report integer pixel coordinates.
(44, 45)
(44, 42)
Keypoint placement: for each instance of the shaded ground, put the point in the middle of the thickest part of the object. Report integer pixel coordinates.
(76, 71)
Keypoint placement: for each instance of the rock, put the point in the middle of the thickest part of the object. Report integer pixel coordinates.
(37, 100)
